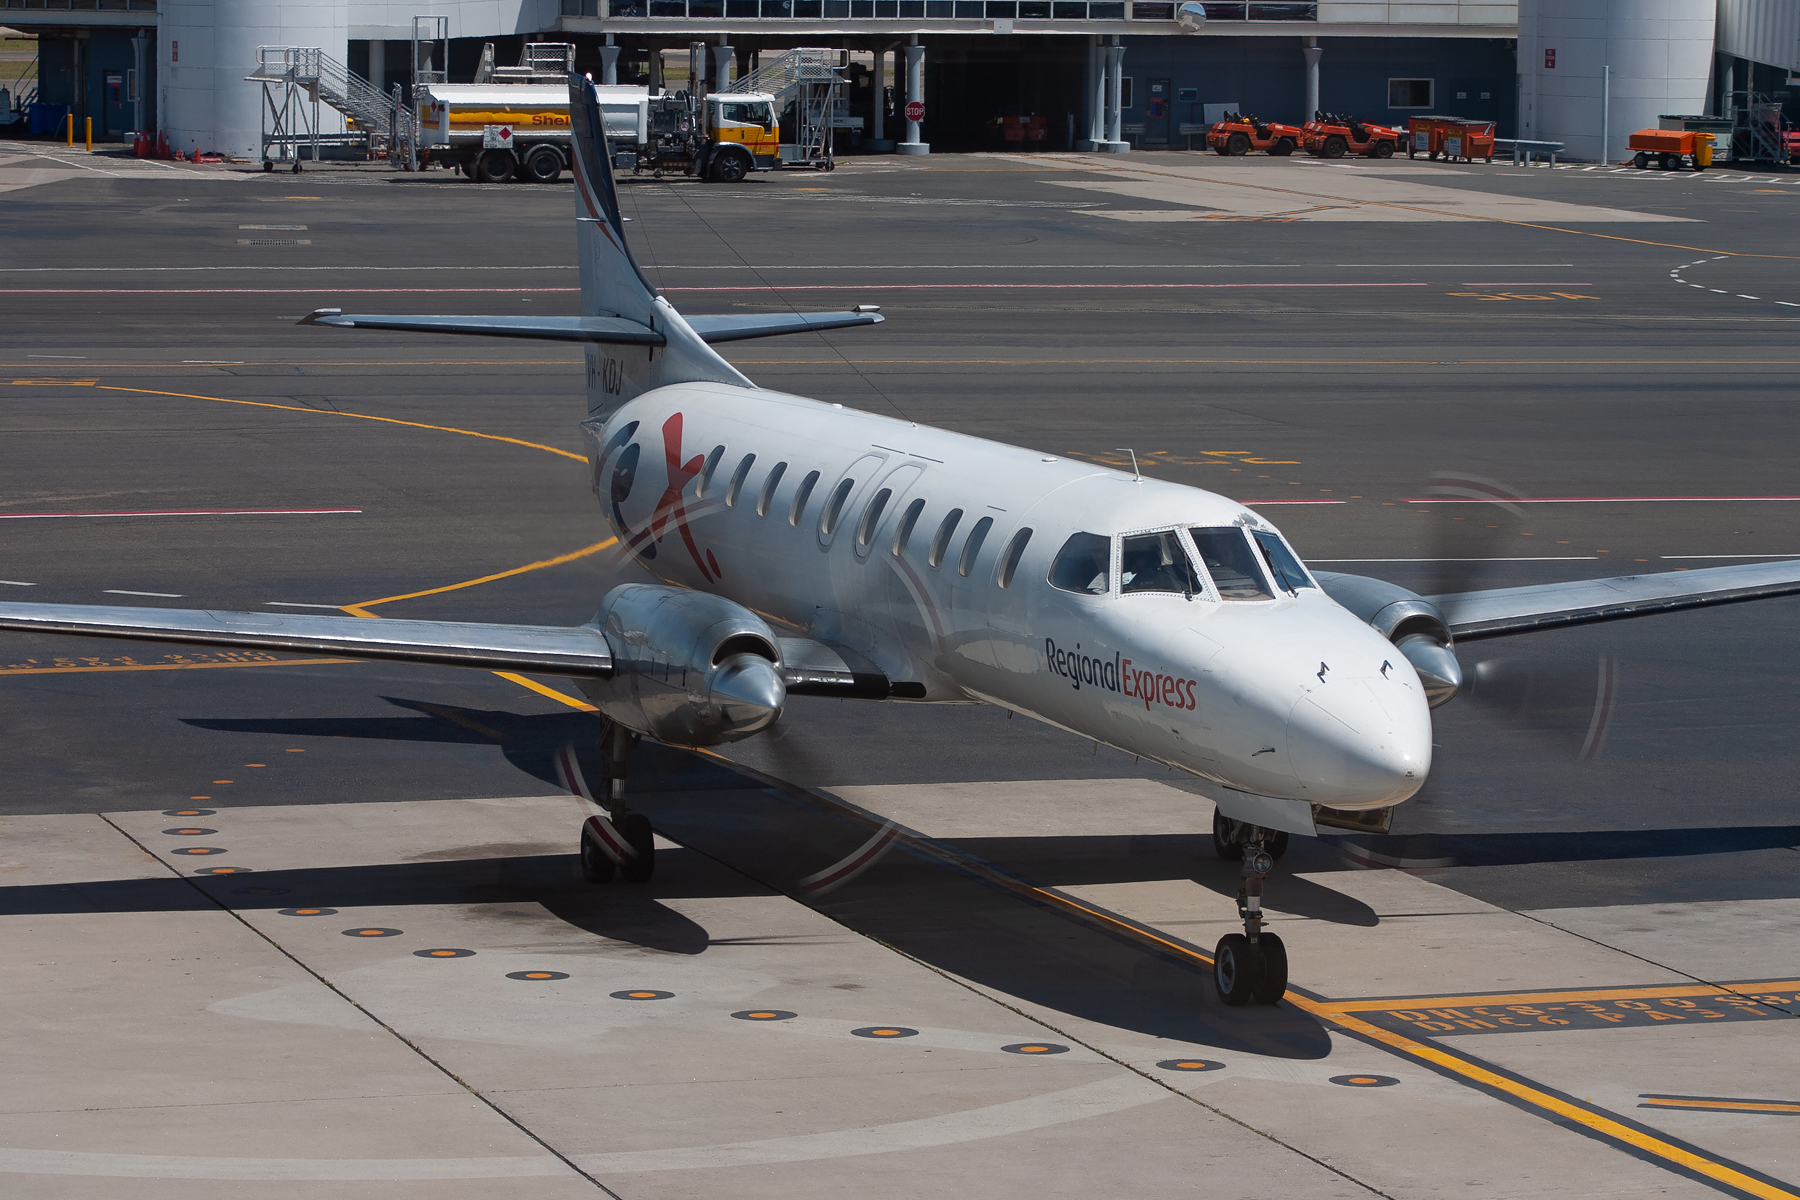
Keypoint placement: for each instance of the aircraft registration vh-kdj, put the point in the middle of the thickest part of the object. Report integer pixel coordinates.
(796, 547)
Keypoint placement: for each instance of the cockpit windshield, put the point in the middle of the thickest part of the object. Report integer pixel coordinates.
(1283, 565)
(1156, 562)
(1231, 562)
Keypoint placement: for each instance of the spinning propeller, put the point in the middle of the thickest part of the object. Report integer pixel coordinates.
(1566, 703)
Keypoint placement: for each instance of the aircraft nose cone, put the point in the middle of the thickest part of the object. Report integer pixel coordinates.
(1356, 748)
(748, 692)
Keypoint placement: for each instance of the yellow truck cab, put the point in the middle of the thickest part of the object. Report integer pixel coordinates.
(743, 120)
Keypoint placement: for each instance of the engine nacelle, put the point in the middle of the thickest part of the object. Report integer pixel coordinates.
(689, 669)
(1414, 624)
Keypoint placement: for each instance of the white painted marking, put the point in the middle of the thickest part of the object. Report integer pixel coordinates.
(1545, 558)
(1741, 296)
(16, 583)
(1788, 303)
(211, 362)
(1115, 1094)
(271, 227)
(1673, 557)
(158, 595)
(82, 357)
(298, 604)
(1720, 291)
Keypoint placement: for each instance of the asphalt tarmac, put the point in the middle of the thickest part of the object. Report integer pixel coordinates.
(1330, 334)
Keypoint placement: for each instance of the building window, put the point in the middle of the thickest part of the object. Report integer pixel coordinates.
(1125, 93)
(1409, 93)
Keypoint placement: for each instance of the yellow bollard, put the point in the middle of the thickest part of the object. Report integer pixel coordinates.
(90, 135)
(71, 131)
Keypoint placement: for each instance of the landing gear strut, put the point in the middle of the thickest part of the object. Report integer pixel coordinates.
(1252, 964)
(621, 840)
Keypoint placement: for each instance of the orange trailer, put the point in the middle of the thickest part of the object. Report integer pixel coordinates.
(1671, 148)
(1450, 137)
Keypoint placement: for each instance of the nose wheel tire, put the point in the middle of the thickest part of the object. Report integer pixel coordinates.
(1243, 972)
(597, 865)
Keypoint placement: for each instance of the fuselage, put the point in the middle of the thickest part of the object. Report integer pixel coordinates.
(1164, 620)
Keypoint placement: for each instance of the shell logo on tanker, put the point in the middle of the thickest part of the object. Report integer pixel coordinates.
(542, 120)
(1118, 675)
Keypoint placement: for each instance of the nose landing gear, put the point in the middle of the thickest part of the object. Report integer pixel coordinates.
(620, 841)
(1251, 965)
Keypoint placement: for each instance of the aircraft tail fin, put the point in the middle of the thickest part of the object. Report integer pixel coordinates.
(613, 285)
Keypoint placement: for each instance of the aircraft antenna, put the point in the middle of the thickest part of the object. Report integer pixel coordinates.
(1136, 474)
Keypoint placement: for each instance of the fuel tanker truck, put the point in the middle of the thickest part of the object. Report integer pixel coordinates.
(497, 131)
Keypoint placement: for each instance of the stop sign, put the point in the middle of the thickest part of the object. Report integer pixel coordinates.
(915, 111)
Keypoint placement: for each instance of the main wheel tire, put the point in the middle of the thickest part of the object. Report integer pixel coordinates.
(1272, 975)
(1223, 846)
(597, 865)
(1662, 161)
(1640, 160)
(1335, 146)
(544, 166)
(1282, 148)
(1384, 149)
(1234, 969)
(635, 829)
(1237, 145)
(495, 166)
(1277, 845)
(730, 167)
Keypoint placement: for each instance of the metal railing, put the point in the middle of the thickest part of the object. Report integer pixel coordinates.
(954, 10)
(380, 120)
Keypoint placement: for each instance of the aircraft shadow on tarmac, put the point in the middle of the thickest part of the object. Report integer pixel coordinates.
(962, 906)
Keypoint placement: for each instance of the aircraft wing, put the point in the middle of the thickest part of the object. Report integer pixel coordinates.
(817, 669)
(1503, 611)
(736, 328)
(573, 652)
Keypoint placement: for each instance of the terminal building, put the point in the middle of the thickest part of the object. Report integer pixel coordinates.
(1073, 74)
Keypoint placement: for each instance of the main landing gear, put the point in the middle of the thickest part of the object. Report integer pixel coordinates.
(1251, 965)
(621, 841)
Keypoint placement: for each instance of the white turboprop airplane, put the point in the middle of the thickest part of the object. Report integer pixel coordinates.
(801, 548)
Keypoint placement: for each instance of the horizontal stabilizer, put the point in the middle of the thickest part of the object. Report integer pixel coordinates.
(1503, 611)
(574, 652)
(614, 331)
(738, 328)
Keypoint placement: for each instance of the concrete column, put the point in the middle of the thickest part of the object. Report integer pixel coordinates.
(609, 62)
(656, 80)
(1311, 51)
(1115, 142)
(915, 91)
(721, 66)
(140, 62)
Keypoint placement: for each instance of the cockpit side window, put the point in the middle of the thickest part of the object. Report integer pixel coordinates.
(1289, 575)
(1084, 565)
(1231, 562)
(1156, 562)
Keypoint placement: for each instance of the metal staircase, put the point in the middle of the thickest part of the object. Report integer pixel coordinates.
(297, 80)
(805, 79)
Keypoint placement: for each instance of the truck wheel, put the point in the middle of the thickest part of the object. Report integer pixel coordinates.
(544, 165)
(1237, 146)
(1384, 149)
(1282, 148)
(495, 166)
(1640, 160)
(731, 167)
(1335, 146)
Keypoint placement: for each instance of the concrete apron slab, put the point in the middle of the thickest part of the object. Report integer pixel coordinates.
(1388, 933)
(190, 1046)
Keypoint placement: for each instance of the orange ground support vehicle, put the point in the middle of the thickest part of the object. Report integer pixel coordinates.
(1240, 134)
(1450, 137)
(1671, 148)
(1330, 135)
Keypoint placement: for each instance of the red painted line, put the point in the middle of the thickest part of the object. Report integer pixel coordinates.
(798, 287)
(1607, 500)
(259, 291)
(188, 512)
(952, 287)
